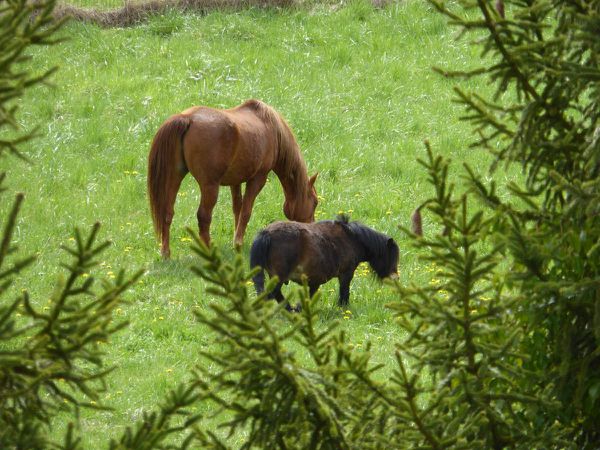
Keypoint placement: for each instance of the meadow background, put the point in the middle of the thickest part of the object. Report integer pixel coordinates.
(353, 81)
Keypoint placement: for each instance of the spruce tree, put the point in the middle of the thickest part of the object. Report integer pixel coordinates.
(546, 54)
(502, 346)
(51, 352)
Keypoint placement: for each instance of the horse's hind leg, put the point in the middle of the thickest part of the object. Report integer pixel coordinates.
(171, 196)
(208, 200)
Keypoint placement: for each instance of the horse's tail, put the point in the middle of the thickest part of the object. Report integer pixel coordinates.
(259, 257)
(163, 171)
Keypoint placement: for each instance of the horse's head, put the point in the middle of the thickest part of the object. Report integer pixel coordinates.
(301, 208)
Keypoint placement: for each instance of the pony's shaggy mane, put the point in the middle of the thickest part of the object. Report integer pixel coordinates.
(382, 258)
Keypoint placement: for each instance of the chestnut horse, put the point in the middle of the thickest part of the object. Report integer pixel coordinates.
(226, 148)
(320, 251)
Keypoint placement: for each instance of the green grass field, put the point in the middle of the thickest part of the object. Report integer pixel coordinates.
(355, 84)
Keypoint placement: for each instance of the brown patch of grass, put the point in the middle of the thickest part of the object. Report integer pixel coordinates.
(132, 13)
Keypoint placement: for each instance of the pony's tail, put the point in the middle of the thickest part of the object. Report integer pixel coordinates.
(163, 170)
(259, 257)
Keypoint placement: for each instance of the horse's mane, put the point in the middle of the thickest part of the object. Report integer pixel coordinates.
(290, 163)
(381, 255)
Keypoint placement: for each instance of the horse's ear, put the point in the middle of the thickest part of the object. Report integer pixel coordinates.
(311, 180)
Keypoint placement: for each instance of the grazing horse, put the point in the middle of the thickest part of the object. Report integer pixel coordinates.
(320, 251)
(226, 148)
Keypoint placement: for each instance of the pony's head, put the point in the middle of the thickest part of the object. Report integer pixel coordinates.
(381, 250)
(301, 208)
(387, 265)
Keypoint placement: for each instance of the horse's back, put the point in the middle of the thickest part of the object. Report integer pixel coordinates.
(227, 146)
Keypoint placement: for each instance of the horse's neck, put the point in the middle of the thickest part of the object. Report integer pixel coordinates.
(290, 170)
(293, 185)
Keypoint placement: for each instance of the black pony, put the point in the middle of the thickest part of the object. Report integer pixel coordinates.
(320, 251)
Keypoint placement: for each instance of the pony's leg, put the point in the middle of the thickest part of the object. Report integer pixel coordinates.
(236, 202)
(208, 199)
(312, 289)
(259, 282)
(253, 187)
(345, 280)
(276, 293)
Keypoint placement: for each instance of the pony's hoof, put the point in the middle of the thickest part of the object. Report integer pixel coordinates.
(237, 244)
(293, 309)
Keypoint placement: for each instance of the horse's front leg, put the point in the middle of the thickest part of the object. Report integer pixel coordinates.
(253, 187)
(208, 199)
(236, 203)
(345, 280)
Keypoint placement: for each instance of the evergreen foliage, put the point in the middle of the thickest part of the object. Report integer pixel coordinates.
(22, 24)
(51, 350)
(252, 376)
(463, 333)
(546, 53)
(502, 346)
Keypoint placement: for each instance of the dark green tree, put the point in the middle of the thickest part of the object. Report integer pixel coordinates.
(502, 348)
(463, 332)
(546, 55)
(51, 355)
(257, 382)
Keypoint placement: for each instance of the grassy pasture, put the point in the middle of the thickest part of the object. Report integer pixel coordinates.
(355, 84)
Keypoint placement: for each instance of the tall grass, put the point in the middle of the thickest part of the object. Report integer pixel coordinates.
(355, 83)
